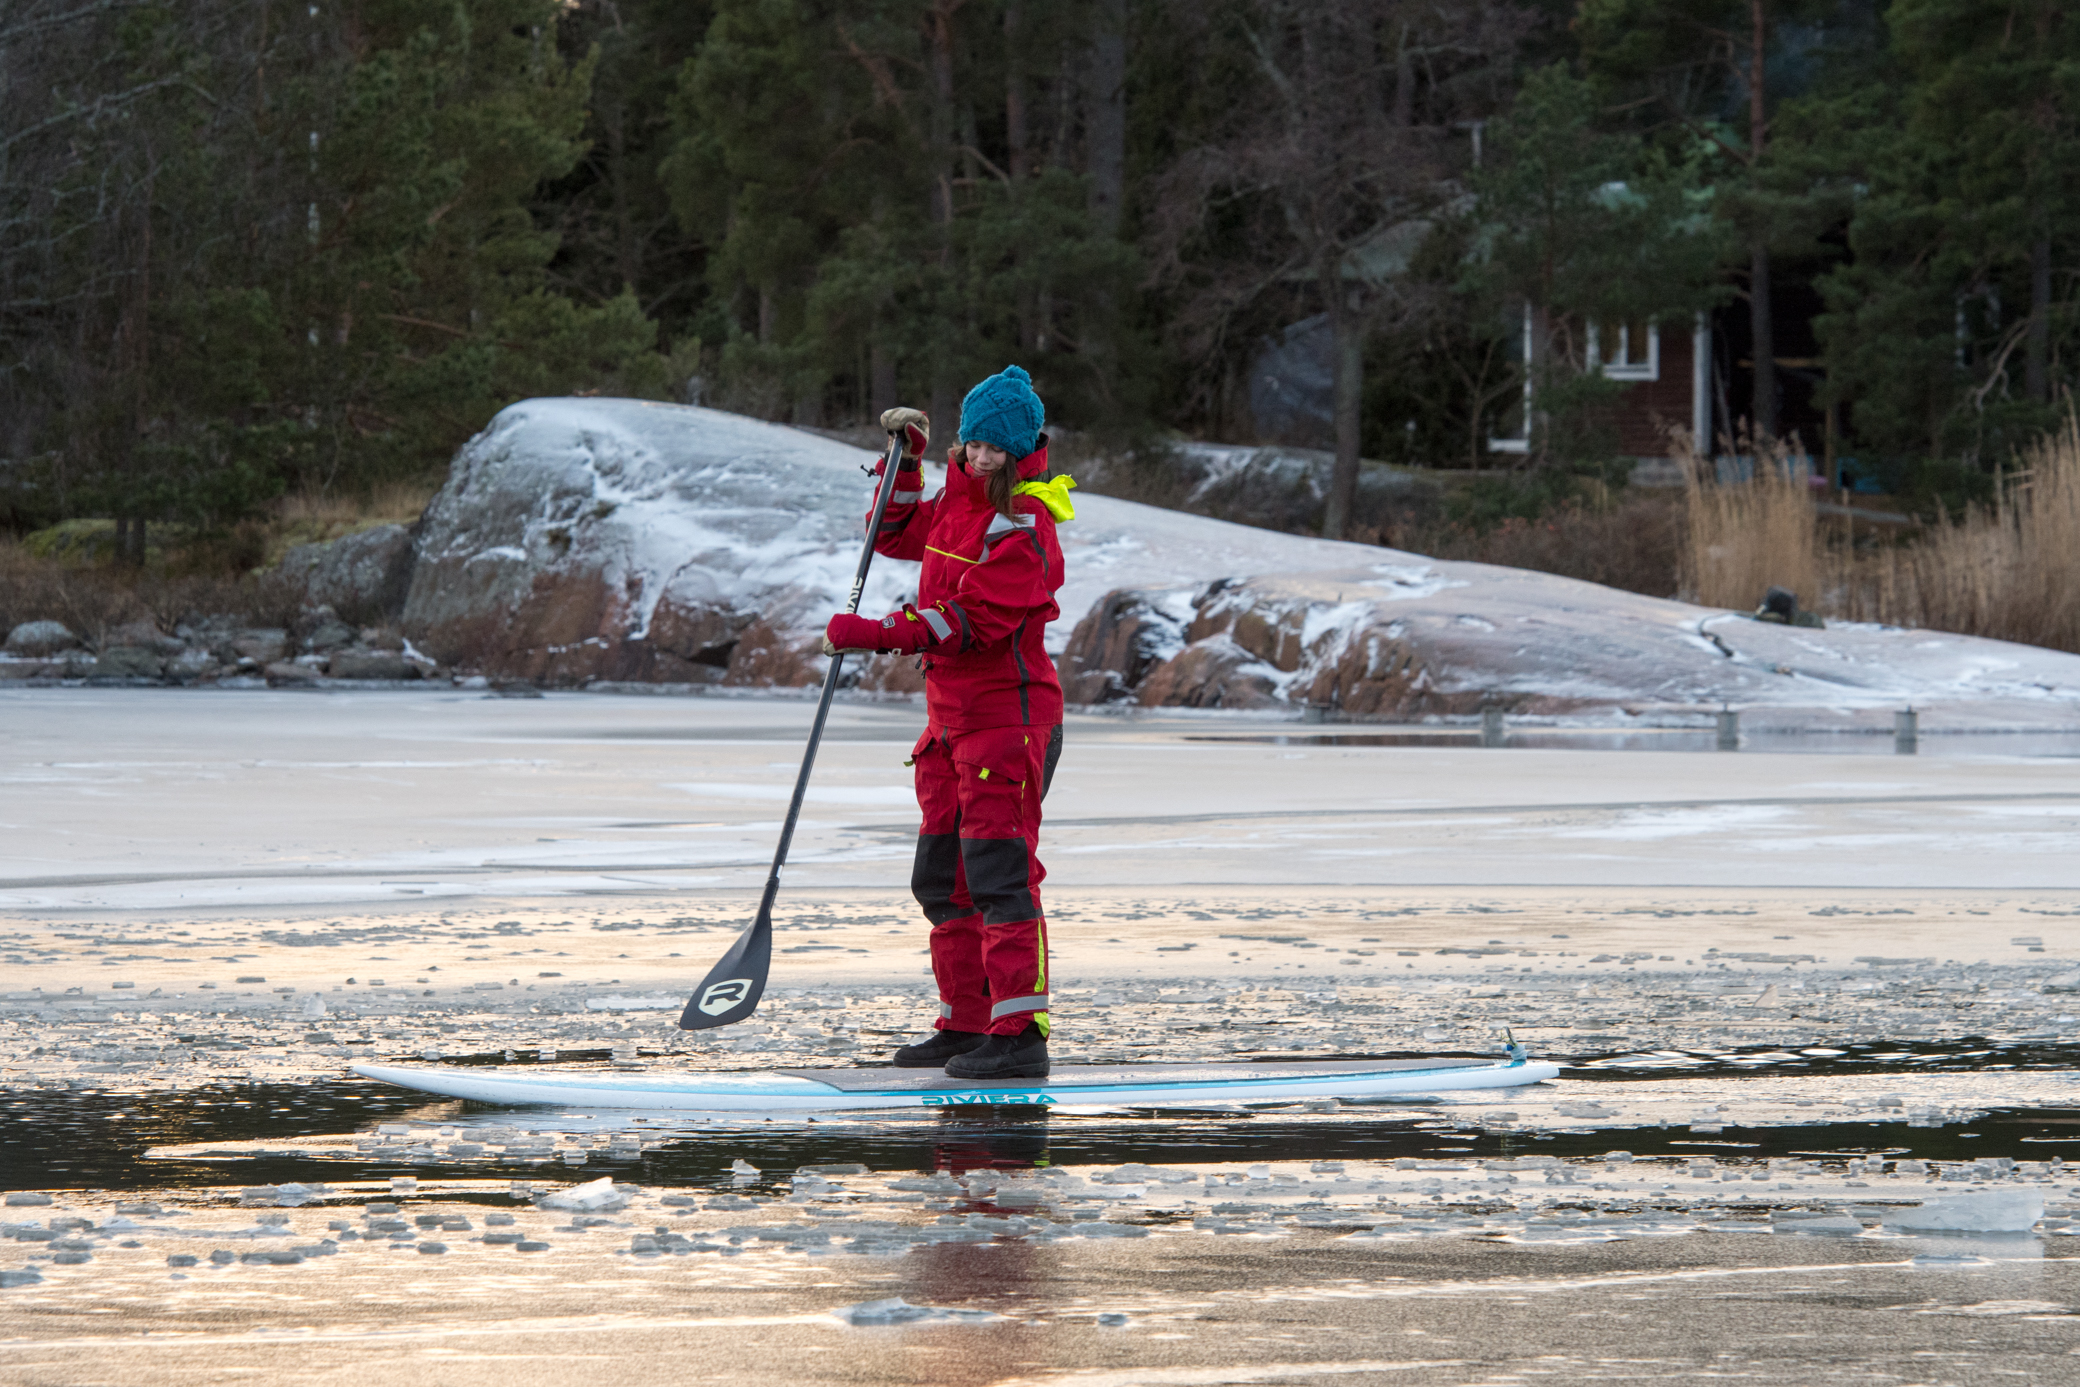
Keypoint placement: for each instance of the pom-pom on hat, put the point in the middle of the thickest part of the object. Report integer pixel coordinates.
(1004, 410)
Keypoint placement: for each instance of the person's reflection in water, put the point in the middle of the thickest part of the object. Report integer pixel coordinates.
(1001, 1138)
(1005, 1274)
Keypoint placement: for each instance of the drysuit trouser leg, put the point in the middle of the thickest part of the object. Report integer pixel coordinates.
(977, 874)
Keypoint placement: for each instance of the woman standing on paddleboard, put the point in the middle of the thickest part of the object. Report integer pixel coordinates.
(991, 567)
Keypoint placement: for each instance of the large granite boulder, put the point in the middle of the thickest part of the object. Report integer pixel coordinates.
(34, 640)
(589, 539)
(600, 539)
(1411, 638)
(366, 575)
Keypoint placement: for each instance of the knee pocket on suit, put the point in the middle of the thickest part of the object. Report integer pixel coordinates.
(934, 876)
(999, 872)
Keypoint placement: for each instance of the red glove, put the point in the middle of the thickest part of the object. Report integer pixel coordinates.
(851, 635)
(905, 632)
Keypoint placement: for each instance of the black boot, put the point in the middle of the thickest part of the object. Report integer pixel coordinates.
(1020, 1056)
(937, 1048)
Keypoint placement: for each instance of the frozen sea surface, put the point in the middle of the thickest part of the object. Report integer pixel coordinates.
(1819, 1013)
(137, 799)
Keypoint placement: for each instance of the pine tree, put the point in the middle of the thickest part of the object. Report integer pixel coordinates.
(850, 170)
(319, 266)
(1951, 328)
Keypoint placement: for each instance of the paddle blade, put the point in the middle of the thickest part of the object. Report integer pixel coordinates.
(732, 988)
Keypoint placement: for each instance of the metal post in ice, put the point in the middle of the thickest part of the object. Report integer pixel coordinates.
(1729, 730)
(1491, 726)
(1906, 731)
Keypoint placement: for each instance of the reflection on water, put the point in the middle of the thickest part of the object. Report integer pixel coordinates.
(1971, 1054)
(52, 1140)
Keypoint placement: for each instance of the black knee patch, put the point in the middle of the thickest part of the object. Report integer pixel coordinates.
(932, 876)
(1054, 755)
(998, 879)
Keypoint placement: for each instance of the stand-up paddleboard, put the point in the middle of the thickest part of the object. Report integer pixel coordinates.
(826, 1090)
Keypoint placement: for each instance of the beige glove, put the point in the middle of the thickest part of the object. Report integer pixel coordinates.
(915, 426)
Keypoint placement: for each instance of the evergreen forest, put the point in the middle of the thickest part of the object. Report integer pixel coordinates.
(257, 248)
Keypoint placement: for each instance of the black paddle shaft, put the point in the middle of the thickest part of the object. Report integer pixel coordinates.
(732, 988)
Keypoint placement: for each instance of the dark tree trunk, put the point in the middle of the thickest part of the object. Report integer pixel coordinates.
(1348, 332)
(1105, 118)
(1015, 137)
(1762, 411)
(943, 400)
(2037, 367)
(881, 371)
(626, 257)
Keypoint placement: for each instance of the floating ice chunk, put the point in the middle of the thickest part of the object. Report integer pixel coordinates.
(1983, 1211)
(1112, 1319)
(1839, 1226)
(659, 1001)
(18, 1198)
(1589, 1108)
(1134, 1173)
(1099, 1229)
(312, 1007)
(26, 1276)
(896, 1310)
(597, 1194)
(743, 1169)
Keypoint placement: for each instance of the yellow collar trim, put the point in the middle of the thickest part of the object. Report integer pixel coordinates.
(1053, 494)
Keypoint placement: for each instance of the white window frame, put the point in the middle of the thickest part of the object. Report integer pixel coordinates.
(1650, 369)
(1521, 443)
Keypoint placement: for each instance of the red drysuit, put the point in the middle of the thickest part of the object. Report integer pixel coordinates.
(984, 599)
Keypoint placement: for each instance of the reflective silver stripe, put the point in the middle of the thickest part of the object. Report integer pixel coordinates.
(1017, 1005)
(941, 629)
(906, 498)
(1001, 524)
(945, 1012)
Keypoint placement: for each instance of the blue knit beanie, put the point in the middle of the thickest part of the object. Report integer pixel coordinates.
(1004, 410)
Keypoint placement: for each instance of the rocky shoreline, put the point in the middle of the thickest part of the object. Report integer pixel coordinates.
(317, 648)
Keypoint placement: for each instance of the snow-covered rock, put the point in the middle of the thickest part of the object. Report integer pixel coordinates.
(586, 539)
(1404, 636)
(582, 539)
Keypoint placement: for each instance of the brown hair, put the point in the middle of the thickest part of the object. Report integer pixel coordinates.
(1000, 486)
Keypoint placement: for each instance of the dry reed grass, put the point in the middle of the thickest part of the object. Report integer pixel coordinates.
(1747, 537)
(393, 502)
(2010, 571)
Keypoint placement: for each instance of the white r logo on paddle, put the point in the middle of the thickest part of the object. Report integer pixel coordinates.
(724, 995)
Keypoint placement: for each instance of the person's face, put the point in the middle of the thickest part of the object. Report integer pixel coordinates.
(985, 458)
